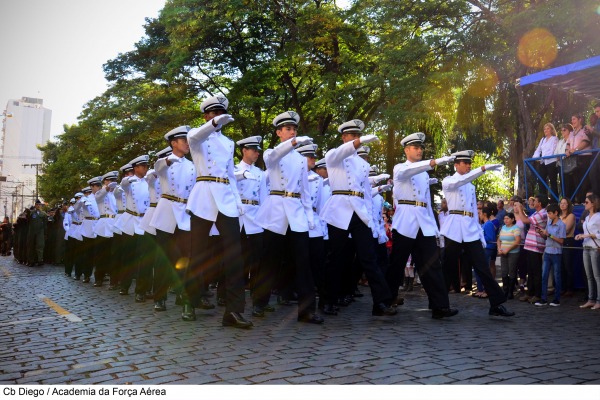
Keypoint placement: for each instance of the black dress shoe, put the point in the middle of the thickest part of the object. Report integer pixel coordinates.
(268, 308)
(329, 309)
(258, 311)
(236, 320)
(500, 311)
(140, 298)
(440, 313)
(160, 305)
(205, 304)
(380, 310)
(311, 318)
(98, 284)
(85, 280)
(76, 277)
(123, 292)
(188, 313)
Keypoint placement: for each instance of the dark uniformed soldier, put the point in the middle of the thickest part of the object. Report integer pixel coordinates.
(38, 221)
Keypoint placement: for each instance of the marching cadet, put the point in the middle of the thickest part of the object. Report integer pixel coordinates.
(414, 230)
(349, 211)
(321, 170)
(462, 231)
(251, 184)
(75, 234)
(215, 200)
(286, 215)
(107, 206)
(177, 176)
(90, 214)
(69, 250)
(136, 242)
(118, 237)
(38, 221)
(316, 233)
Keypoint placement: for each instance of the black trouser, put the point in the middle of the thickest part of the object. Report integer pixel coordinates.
(362, 236)
(475, 254)
(173, 259)
(229, 232)
(534, 273)
(548, 173)
(88, 256)
(138, 264)
(425, 255)
(104, 257)
(583, 163)
(317, 263)
(69, 255)
(567, 264)
(298, 269)
(78, 256)
(252, 249)
(119, 253)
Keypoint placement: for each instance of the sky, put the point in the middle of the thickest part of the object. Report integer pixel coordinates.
(54, 50)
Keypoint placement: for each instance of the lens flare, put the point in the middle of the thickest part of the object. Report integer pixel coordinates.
(484, 82)
(537, 48)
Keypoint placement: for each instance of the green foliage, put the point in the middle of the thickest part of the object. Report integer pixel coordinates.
(491, 185)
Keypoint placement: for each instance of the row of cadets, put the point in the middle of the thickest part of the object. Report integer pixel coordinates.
(119, 240)
(462, 231)
(252, 186)
(317, 232)
(90, 213)
(414, 230)
(215, 199)
(73, 236)
(103, 228)
(287, 217)
(177, 176)
(349, 211)
(134, 237)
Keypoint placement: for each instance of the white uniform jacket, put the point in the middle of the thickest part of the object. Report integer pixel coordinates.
(379, 226)
(251, 191)
(287, 172)
(325, 194)
(67, 222)
(347, 172)
(89, 213)
(213, 157)
(75, 228)
(154, 193)
(107, 206)
(315, 184)
(176, 181)
(137, 202)
(460, 195)
(411, 183)
(120, 200)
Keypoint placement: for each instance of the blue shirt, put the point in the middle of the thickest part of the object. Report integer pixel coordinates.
(558, 230)
(490, 234)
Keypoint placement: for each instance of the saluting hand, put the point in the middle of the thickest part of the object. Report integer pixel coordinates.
(222, 120)
(368, 139)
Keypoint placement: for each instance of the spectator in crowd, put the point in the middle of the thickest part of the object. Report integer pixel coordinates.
(591, 254)
(555, 234)
(568, 218)
(593, 131)
(508, 243)
(561, 148)
(578, 141)
(501, 212)
(547, 167)
(534, 246)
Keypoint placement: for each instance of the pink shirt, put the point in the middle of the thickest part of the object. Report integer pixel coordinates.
(533, 241)
(575, 141)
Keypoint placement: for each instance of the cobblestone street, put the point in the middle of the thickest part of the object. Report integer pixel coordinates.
(55, 330)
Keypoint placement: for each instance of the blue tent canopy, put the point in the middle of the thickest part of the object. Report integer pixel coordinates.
(581, 77)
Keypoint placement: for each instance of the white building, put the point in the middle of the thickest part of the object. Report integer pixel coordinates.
(26, 125)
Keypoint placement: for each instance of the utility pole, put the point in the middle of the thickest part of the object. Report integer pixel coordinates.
(36, 166)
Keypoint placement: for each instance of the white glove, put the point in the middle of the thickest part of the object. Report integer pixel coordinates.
(445, 160)
(222, 120)
(173, 158)
(249, 175)
(240, 209)
(303, 140)
(112, 185)
(381, 177)
(494, 167)
(385, 188)
(433, 181)
(368, 139)
(311, 225)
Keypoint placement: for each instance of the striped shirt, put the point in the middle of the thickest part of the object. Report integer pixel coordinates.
(508, 237)
(533, 241)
